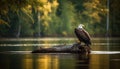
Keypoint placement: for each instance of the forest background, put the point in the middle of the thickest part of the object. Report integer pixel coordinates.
(58, 18)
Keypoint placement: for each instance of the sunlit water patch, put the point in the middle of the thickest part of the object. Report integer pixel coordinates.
(29, 44)
(36, 39)
(105, 52)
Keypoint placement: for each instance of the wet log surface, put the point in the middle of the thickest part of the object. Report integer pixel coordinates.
(75, 48)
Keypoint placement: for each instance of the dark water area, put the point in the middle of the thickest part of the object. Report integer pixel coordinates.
(16, 54)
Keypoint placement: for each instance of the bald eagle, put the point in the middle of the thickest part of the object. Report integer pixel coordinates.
(83, 35)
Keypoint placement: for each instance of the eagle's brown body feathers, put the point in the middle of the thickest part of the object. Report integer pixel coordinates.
(83, 36)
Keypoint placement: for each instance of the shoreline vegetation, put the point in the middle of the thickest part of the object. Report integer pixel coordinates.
(52, 36)
(58, 18)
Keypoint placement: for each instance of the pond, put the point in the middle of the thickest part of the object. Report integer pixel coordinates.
(16, 54)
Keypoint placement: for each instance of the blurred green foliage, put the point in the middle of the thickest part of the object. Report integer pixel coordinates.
(38, 18)
(114, 18)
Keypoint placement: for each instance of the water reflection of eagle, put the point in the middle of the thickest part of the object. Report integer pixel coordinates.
(83, 35)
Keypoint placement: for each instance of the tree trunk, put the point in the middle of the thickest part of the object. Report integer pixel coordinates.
(19, 30)
(36, 25)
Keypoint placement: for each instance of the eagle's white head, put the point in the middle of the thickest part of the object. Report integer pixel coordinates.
(80, 26)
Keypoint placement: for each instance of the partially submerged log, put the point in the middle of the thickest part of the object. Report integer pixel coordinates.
(75, 48)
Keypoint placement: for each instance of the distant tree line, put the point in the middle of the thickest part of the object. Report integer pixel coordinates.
(42, 18)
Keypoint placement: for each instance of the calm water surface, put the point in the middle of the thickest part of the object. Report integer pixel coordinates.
(16, 54)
